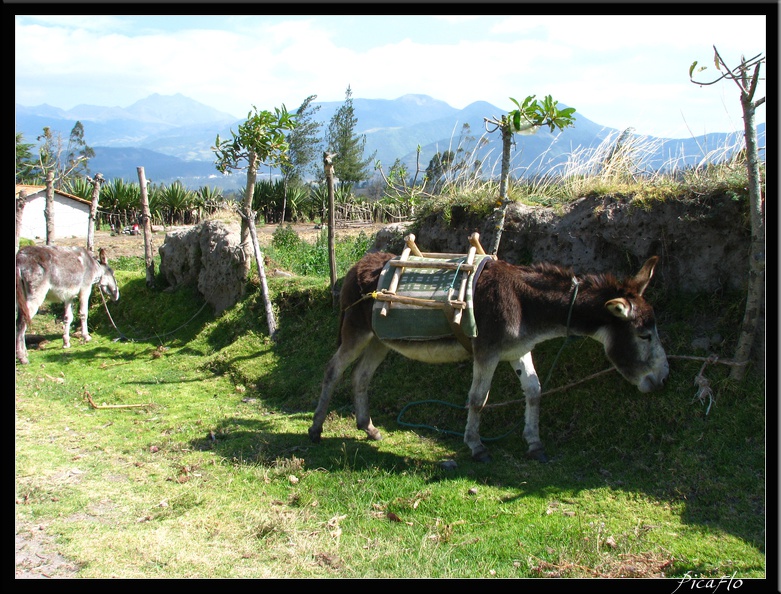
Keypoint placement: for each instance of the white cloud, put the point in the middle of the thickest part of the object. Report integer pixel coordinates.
(612, 69)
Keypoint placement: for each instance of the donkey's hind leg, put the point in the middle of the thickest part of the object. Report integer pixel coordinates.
(31, 304)
(372, 357)
(348, 351)
(482, 374)
(21, 347)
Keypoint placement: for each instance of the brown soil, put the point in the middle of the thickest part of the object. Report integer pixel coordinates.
(133, 245)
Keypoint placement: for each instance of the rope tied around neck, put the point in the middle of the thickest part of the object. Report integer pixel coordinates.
(575, 288)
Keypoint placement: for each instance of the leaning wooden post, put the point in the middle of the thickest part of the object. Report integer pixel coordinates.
(21, 202)
(328, 166)
(93, 211)
(146, 221)
(249, 217)
(48, 210)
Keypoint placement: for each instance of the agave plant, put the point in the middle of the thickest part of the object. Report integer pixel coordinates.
(267, 199)
(121, 200)
(78, 186)
(209, 199)
(298, 204)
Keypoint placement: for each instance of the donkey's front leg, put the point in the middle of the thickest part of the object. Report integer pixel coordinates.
(532, 390)
(83, 311)
(66, 325)
(482, 373)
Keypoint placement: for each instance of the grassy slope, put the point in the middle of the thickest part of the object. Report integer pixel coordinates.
(215, 477)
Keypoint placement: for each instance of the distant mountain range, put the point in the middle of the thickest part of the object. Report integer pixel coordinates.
(171, 137)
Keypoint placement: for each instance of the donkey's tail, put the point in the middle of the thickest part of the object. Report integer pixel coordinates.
(21, 297)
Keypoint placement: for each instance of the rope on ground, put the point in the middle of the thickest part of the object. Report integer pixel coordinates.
(704, 391)
(157, 336)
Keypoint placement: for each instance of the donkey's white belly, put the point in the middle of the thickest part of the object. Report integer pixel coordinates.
(430, 351)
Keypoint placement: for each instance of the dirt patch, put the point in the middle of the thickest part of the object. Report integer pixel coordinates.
(133, 245)
(37, 556)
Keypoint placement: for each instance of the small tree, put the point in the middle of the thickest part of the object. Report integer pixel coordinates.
(58, 163)
(527, 119)
(349, 167)
(65, 161)
(304, 147)
(25, 165)
(260, 140)
(746, 77)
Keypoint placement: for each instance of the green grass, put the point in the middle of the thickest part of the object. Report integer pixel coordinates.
(212, 474)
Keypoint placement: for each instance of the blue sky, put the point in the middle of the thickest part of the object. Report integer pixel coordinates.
(617, 71)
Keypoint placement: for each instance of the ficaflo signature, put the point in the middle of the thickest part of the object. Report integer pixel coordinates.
(713, 584)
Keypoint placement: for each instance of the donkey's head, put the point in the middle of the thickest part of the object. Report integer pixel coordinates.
(631, 341)
(108, 284)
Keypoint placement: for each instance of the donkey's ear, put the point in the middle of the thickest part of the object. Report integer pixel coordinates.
(102, 258)
(620, 307)
(643, 277)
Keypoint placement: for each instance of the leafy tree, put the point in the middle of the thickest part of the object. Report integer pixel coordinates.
(438, 167)
(530, 116)
(304, 143)
(64, 160)
(349, 165)
(260, 140)
(78, 153)
(25, 164)
(746, 76)
(401, 187)
(303, 148)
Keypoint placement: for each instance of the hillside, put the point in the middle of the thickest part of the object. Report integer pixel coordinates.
(172, 136)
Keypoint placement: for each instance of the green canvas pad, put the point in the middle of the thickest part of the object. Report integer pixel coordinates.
(415, 322)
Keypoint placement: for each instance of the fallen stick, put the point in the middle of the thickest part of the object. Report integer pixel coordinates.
(93, 405)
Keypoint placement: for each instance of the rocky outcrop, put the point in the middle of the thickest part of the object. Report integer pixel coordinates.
(703, 243)
(207, 256)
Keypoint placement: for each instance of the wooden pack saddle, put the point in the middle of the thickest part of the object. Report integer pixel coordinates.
(428, 296)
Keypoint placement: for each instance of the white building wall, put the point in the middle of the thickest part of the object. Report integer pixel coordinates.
(71, 217)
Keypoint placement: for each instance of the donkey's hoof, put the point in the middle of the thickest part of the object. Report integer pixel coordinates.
(314, 435)
(537, 454)
(482, 456)
(374, 434)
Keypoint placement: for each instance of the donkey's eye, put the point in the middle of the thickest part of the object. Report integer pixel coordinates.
(644, 335)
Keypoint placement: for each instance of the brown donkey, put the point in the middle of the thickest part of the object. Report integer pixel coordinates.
(515, 308)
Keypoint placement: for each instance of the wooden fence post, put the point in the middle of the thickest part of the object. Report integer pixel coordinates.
(146, 220)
